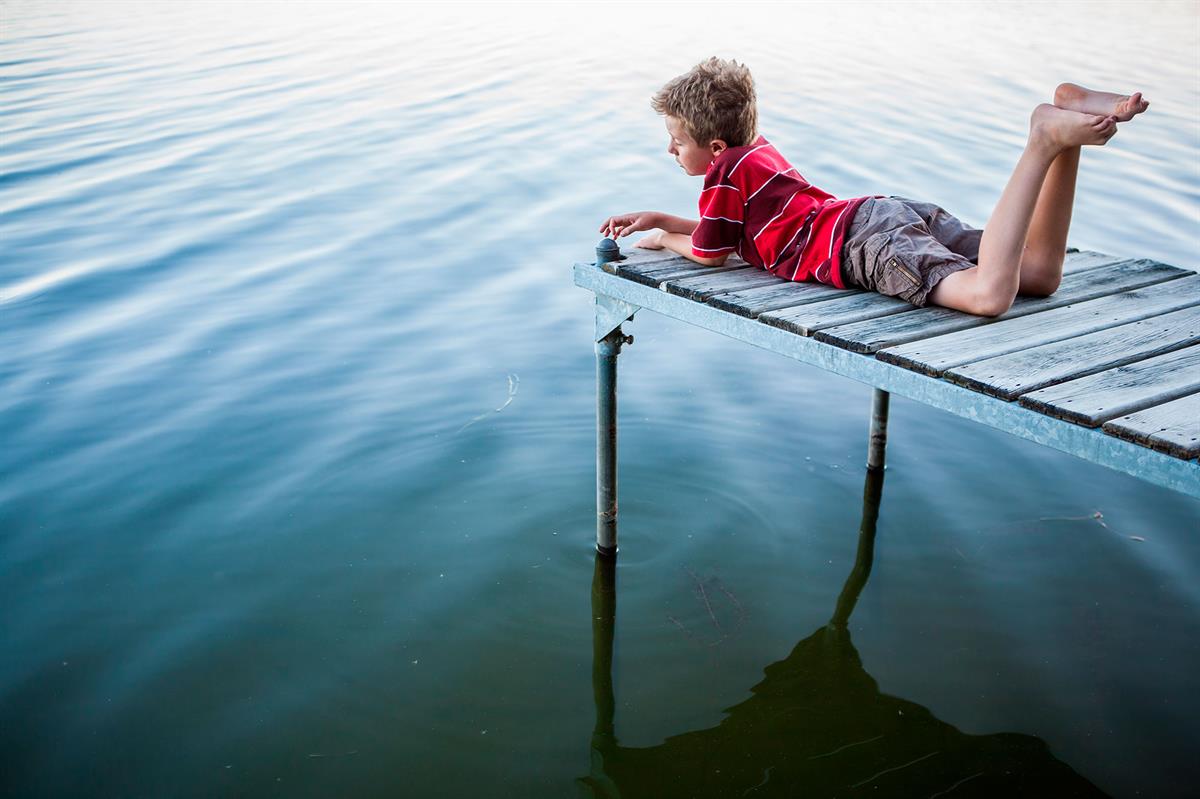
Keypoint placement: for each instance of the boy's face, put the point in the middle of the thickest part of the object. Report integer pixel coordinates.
(690, 154)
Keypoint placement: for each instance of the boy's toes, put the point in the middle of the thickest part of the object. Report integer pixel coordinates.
(1131, 106)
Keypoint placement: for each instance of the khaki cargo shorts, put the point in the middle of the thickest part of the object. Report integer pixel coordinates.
(902, 248)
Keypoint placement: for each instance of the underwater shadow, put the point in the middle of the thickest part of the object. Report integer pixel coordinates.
(815, 726)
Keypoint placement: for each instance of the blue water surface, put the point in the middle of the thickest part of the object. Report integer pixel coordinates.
(297, 413)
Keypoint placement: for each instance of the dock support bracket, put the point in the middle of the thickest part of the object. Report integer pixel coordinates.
(611, 313)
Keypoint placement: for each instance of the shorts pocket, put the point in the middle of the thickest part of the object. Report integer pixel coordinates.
(905, 272)
(892, 273)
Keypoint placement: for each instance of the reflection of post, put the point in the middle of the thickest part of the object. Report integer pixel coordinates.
(872, 493)
(604, 615)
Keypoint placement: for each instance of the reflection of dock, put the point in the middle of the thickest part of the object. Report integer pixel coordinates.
(816, 725)
(1106, 369)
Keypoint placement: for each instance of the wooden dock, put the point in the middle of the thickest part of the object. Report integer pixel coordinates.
(1106, 369)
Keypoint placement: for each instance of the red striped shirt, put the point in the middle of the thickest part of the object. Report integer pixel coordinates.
(755, 203)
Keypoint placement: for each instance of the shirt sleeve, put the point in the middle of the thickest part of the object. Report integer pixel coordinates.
(721, 219)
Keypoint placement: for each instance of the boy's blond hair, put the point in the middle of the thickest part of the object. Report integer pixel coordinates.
(714, 100)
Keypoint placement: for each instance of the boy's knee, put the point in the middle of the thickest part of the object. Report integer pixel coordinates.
(993, 301)
(1040, 287)
(991, 306)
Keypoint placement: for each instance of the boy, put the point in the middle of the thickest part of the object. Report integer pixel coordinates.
(756, 204)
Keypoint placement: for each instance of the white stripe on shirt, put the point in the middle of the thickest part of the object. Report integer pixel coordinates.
(744, 157)
(831, 236)
(768, 180)
(772, 219)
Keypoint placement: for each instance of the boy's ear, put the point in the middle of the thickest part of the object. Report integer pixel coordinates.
(717, 146)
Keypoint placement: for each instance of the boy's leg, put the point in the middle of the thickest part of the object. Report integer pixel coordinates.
(1046, 245)
(990, 287)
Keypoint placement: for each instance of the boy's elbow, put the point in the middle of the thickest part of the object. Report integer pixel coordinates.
(717, 261)
(697, 254)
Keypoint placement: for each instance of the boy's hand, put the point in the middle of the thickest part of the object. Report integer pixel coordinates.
(623, 224)
(652, 242)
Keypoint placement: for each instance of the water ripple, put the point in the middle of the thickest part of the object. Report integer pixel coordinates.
(262, 263)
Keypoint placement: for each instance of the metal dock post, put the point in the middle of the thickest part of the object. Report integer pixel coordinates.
(879, 418)
(610, 314)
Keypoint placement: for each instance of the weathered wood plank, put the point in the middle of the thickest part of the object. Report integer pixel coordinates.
(806, 319)
(1173, 427)
(932, 356)
(1083, 260)
(681, 264)
(700, 287)
(655, 274)
(786, 293)
(782, 294)
(934, 321)
(658, 266)
(640, 259)
(1007, 376)
(637, 264)
(1097, 398)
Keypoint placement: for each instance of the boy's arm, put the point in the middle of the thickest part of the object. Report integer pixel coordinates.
(674, 233)
(682, 243)
(677, 237)
(622, 225)
(676, 224)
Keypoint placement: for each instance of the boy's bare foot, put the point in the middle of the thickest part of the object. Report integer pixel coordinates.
(1059, 128)
(1124, 107)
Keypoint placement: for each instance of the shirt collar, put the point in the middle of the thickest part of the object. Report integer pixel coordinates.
(733, 154)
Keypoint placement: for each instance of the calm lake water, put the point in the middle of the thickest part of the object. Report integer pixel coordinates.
(297, 416)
